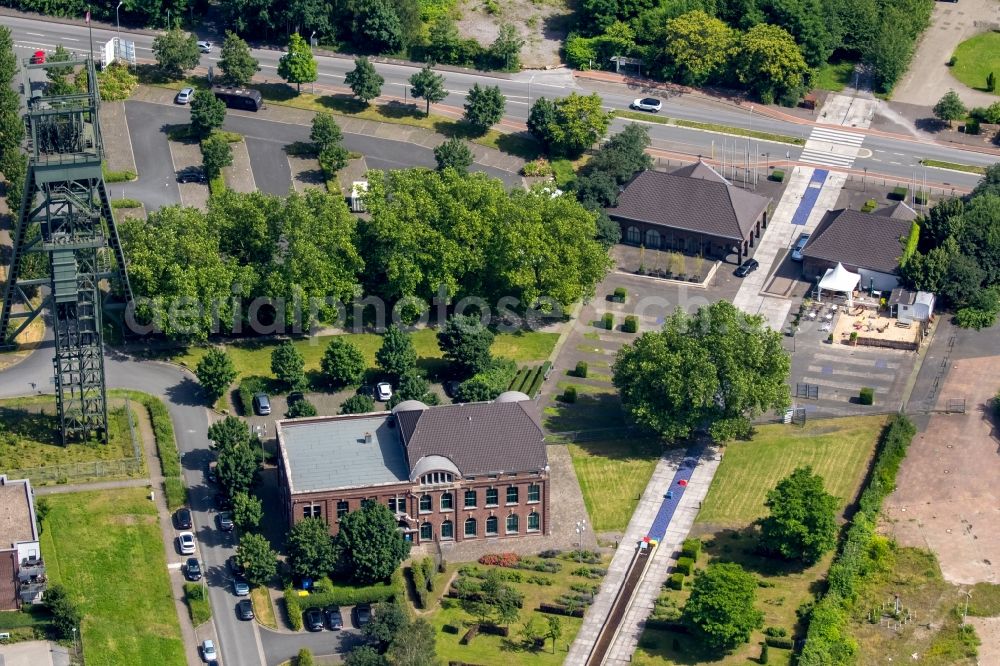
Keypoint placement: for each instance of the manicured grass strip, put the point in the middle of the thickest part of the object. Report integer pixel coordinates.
(106, 548)
(587, 388)
(166, 446)
(711, 127)
(954, 166)
(834, 76)
(126, 203)
(254, 357)
(837, 449)
(196, 598)
(263, 609)
(117, 176)
(612, 476)
(975, 58)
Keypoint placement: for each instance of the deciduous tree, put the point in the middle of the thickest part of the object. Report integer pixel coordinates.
(236, 62)
(258, 559)
(388, 621)
(216, 154)
(429, 85)
(247, 511)
(718, 367)
(65, 615)
(699, 46)
(372, 546)
(484, 107)
(377, 26)
(802, 524)
(950, 108)
(364, 81)
(569, 125)
(720, 611)
(465, 343)
(176, 51)
(415, 646)
(215, 372)
(298, 65)
(358, 404)
(287, 365)
(300, 408)
(342, 364)
(207, 113)
(505, 51)
(237, 468)
(769, 62)
(396, 355)
(230, 431)
(453, 154)
(310, 549)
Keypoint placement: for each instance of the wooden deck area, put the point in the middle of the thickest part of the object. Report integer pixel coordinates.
(876, 331)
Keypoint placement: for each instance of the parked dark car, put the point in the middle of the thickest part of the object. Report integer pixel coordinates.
(183, 518)
(191, 175)
(224, 521)
(192, 569)
(235, 567)
(334, 620)
(244, 609)
(313, 619)
(746, 268)
(223, 502)
(362, 614)
(210, 472)
(294, 397)
(451, 387)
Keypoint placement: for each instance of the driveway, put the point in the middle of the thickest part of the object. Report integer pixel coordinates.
(928, 77)
(33, 653)
(281, 646)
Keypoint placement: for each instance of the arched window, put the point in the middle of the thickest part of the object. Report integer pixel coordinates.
(425, 503)
(512, 524)
(534, 520)
(426, 532)
(652, 238)
(447, 530)
(446, 501)
(491, 526)
(633, 236)
(470, 527)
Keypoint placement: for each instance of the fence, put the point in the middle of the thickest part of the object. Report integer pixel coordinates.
(81, 472)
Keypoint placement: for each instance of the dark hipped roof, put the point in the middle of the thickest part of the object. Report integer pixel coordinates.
(694, 199)
(479, 437)
(866, 240)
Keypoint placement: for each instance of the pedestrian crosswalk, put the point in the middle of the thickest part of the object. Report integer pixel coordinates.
(831, 147)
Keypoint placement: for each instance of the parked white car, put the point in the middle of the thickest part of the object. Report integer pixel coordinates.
(208, 651)
(185, 95)
(205, 47)
(186, 542)
(383, 391)
(650, 104)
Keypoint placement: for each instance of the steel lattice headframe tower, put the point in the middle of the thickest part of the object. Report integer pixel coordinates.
(66, 218)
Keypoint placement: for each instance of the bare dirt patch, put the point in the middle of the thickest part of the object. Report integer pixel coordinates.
(946, 496)
(543, 24)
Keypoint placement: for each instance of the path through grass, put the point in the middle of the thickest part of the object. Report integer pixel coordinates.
(837, 449)
(106, 548)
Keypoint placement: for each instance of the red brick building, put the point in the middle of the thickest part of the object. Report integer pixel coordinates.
(449, 473)
(22, 571)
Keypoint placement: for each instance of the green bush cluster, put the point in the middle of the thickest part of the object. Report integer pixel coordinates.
(489, 383)
(117, 176)
(691, 548)
(631, 324)
(537, 379)
(608, 321)
(125, 203)
(329, 593)
(863, 552)
(197, 602)
(427, 565)
(866, 396)
(293, 608)
(675, 581)
(869, 206)
(249, 386)
(304, 658)
(581, 369)
(779, 642)
(419, 584)
(569, 394)
(899, 193)
(520, 379)
(778, 176)
(684, 566)
(174, 491)
(620, 294)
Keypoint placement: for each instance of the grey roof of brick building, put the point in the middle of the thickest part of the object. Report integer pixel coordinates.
(694, 198)
(867, 240)
(17, 519)
(479, 437)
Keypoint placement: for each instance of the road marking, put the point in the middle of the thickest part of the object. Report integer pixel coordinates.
(34, 34)
(174, 565)
(70, 39)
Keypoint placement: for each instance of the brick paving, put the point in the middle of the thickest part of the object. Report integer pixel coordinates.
(117, 141)
(239, 176)
(187, 155)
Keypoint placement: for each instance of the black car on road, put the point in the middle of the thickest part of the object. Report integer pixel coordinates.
(334, 620)
(225, 521)
(183, 518)
(746, 268)
(244, 610)
(362, 615)
(313, 619)
(192, 569)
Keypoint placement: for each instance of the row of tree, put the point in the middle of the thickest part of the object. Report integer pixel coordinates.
(13, 162)
(958, 256)
(393, 638)
(770, 47)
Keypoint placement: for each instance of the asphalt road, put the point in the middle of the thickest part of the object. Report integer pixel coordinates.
(896, 157)
(157, 184)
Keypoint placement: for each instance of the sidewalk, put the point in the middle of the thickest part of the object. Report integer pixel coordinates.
(87, 487)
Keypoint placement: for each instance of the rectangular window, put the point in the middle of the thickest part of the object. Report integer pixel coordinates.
(492, 497)
(307, 511)
(342, 508)
(470, 499)
(392, 504)
(317, 510)
(534, 492)
(511, 494)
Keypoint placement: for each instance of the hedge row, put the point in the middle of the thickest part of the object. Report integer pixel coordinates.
(197, 602)
(341, 595)
(533, 380)
(419, 584)
(293, 608)
(520, 379)
(250, 386)
(828, 642)
(166, 447)
(554, 609)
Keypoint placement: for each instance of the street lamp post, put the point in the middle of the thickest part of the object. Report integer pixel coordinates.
(581, 527)
(118, 27)
(529, 90)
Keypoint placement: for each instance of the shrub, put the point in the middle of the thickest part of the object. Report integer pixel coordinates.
(691, 548)
(249, 386)
(779, 642)
(536, 383)
(581, 369)
(867, 396)
(631, 324)
(777, 632)
(587, 556)
(685, 566)
(537, 168)
(899, 193)
(777, 176)
(972, 127)
(427, 564)
(608, 321)
(539, 580)
(117, 176)
(675, 581)
(500, 559)
(920, 198)
(304, 658)
(590, 572)
(552, 552)
(125, 203)
(620, 294)
(419, 584)
(569, 394)
(869, 206)
(197, 603)
(293, 608)
(174, 492)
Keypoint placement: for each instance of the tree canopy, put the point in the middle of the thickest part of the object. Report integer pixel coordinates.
(720, 611)
(215, 372)
(950, 107)
(342, 364)
(484, 107)
(465, 343)
(176, 51)
(802, 524)
(207, 113)
(236, 61)
(429, 85)
(298, 65)
(453, 154)
(569, 125)
(364, 81)
(372, 547)
(310, 548)
(288, 365)
(216, 154)
(699, 45)
(258, 559)
(718, 367)
(396, 356)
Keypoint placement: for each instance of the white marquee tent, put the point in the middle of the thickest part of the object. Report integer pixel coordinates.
(839, 279)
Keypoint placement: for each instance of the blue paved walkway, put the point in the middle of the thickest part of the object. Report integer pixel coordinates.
(659, 527)
(810, 196)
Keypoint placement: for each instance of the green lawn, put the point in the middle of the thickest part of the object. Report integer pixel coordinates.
(106, 548)
(834, 76)
(837, 449)
(252, 357)
(612, 475)
(975, 58)
(32, 427)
